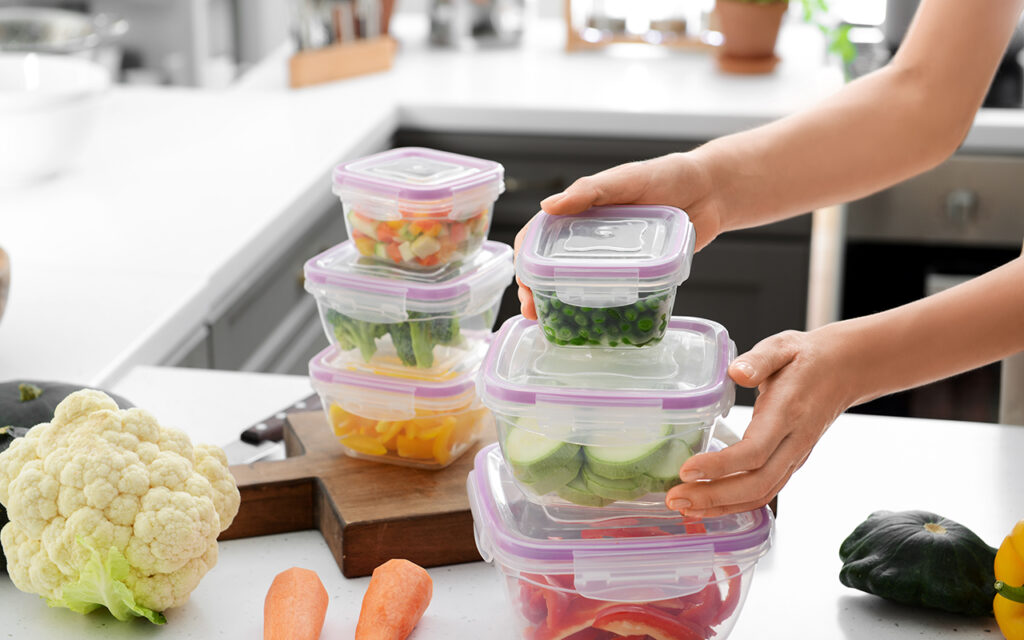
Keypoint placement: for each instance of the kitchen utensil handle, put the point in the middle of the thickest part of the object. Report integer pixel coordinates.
(272, 427)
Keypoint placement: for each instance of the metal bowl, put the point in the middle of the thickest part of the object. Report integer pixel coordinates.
(45, 30)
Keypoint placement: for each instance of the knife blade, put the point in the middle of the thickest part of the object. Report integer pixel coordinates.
(265, 438)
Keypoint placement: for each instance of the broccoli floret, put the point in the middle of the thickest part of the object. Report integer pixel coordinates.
(352, 333)
(422, 343)
(444, 330)
(401, 337)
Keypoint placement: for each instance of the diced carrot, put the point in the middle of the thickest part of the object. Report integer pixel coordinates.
(429, 261)
(393, 252)
(398, 594)
(295, 606)
(458, 232)
(384, 232)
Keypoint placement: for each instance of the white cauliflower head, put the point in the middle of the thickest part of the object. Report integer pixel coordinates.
(98, 486)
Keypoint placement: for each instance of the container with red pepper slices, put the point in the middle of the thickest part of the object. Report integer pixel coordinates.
(575, 573)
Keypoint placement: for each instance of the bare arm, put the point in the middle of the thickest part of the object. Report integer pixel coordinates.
(872, 133)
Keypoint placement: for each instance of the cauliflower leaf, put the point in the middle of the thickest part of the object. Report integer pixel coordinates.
(101, 583)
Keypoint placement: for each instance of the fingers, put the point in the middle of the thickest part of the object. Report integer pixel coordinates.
(624, 184)
(526, 305)
(768, 356)
(738, 492)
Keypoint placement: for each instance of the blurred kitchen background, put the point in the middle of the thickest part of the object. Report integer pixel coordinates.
(967, 212)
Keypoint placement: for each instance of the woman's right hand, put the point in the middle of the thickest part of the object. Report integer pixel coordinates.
(676, 179)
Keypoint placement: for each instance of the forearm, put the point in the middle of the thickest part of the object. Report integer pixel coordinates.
(976, 323)
(874, 132)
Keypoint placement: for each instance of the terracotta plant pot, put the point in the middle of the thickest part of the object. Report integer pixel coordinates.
(749, 31)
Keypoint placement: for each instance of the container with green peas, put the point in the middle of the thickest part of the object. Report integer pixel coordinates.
(606, 277)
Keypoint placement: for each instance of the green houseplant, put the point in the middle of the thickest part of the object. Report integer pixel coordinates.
(750, 29)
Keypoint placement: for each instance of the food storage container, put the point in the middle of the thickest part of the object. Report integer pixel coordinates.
(400, 320)
(602, 426)
(416, 422)
(608, 276)
(418, 209)
(619, 573)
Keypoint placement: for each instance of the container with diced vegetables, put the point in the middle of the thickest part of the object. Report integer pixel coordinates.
(576, 573)
(418, 209)
(412, 421)
(606, 277)
(593, 427)
(395, 321)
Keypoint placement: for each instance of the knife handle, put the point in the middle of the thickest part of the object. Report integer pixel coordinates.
(272, 427)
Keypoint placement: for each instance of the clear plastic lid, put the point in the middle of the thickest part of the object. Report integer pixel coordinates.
(607, 256)
(374, 292)
(388, 397)
(415, 181)
(590, 395)
(626, 554)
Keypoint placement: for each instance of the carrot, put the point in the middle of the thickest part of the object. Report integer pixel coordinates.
(398, 594)
(295, 606)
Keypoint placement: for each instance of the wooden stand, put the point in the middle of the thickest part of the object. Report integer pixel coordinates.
(341, 61)
(368, 512)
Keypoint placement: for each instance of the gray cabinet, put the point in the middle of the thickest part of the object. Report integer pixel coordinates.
(752, 281)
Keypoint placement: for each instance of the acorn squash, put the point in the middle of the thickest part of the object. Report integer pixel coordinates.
(922, 559)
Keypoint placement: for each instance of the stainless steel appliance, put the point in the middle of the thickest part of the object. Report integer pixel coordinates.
(955, 222)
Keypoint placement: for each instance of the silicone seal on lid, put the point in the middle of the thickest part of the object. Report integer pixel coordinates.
(662, 555)
(575, 394)
(607, 256)
(419, 180)
(379, 293)
(387, 397)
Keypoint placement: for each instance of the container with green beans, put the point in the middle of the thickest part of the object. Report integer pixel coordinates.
(606, 277)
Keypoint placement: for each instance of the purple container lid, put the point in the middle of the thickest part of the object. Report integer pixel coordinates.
(415, 173)
(639, 242)
(323, 371)
(343, 268)
(532, 538)
(716, 390)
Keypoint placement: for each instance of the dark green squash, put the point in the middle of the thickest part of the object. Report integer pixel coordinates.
(922, 559)
(23, 405)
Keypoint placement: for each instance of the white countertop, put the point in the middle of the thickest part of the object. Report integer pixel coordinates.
(183, 194)
(960, 470)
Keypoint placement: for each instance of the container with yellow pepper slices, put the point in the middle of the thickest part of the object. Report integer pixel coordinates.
(416, 421)
(1008, 604)
(418, 209)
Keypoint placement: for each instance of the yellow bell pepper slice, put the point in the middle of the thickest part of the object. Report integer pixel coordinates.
(364, 444)
(442, 444)
(1008, 605)
(414, 447)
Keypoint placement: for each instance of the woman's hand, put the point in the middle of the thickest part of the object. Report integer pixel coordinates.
(802, 390)
(677, 179)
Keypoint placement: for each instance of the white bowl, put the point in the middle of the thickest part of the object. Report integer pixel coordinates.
(47, 111)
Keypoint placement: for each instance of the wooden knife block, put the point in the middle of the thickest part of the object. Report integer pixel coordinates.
(368, 512)
(340, 61)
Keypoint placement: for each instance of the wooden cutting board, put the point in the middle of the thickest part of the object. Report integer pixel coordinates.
(368, 512)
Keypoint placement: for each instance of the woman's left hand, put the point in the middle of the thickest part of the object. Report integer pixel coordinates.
(802, 390)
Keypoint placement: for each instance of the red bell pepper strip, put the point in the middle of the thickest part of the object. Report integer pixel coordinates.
(732, 599)
(632, 619)
(706, 608)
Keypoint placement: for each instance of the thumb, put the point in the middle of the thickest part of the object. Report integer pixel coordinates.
(757, 365)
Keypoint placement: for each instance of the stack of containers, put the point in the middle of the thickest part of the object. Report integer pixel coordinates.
(598, 404)
(408, 304)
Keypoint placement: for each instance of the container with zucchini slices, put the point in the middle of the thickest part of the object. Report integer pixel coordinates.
(596, 427)
(606, 277)
(572, 572)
